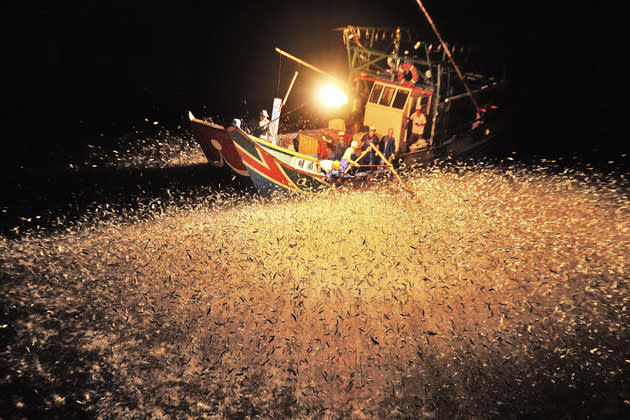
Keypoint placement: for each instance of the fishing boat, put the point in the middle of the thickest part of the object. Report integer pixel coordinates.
(270, 167)
(392, 76)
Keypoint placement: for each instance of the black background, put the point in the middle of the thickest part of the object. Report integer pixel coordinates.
(74, 69)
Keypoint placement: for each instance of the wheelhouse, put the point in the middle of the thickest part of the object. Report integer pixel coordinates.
(391, 71)
(390, 104)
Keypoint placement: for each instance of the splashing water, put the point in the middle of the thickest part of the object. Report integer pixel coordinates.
(492, 291)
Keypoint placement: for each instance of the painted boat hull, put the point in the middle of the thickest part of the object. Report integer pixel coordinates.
(272, 168)
(217, 145)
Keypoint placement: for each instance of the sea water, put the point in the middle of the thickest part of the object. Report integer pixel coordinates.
(147, 282)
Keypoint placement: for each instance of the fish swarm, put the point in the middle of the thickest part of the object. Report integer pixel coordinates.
(490, 292)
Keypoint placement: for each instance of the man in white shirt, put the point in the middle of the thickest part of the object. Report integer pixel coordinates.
(418, 121)
(328, 166)
(346, 160)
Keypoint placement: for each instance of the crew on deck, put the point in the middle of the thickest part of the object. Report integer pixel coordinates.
(418, 120)
(369, 138)
(341, 145)
(348, 157)
(328, 166)
(388, 146)
(263, 130)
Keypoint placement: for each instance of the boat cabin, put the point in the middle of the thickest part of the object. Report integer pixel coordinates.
(390, 105)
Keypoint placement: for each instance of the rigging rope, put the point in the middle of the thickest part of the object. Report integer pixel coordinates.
(450, 57)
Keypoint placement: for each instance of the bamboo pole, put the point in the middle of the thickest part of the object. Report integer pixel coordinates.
(310, 66)
(286, 96)
(450, 57)
(354, 163)
(391, 168)
(387, 163)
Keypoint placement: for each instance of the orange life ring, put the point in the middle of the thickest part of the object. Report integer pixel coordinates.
(408, 69)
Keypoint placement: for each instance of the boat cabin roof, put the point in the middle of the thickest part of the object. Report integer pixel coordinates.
(414, 89)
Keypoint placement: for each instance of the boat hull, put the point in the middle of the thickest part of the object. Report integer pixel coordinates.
(468, 144)
(217, 145)
(272, 168)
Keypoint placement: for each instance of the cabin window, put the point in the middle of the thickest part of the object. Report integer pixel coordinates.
(401, 98)
(376, 93)
(386, 98)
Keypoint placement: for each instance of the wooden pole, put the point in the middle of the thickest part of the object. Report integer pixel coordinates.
(286, 96)
(391, 168)
(310, 66)
(450, 57)
(353, 163)
(388, 164)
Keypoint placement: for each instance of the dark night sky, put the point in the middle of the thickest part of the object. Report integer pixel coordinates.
(111, 61)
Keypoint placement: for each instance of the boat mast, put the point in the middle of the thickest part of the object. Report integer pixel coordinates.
(436, 101)
(450, 57)
(396, 52)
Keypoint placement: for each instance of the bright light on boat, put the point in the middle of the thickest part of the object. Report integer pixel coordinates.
(332, 96)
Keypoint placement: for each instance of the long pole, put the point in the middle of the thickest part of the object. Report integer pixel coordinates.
(305, 64)
(284, 101)
(354, 163)
(391, 167)
(448, 53)
(290, 112)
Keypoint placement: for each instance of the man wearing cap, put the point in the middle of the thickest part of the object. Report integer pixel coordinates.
(347, 158)
(369, 138)
(388, 146)
(264, 125)
(340, 147)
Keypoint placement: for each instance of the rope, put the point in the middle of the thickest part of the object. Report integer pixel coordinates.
(450, 57)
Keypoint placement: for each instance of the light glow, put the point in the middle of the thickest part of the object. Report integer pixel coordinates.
(331, 96)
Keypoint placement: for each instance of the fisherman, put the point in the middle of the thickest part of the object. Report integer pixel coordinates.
(348, 158)
(369, 138)
(388, 146)
(328, 166)
(340, 147)
(418, 120)
(263, 130)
